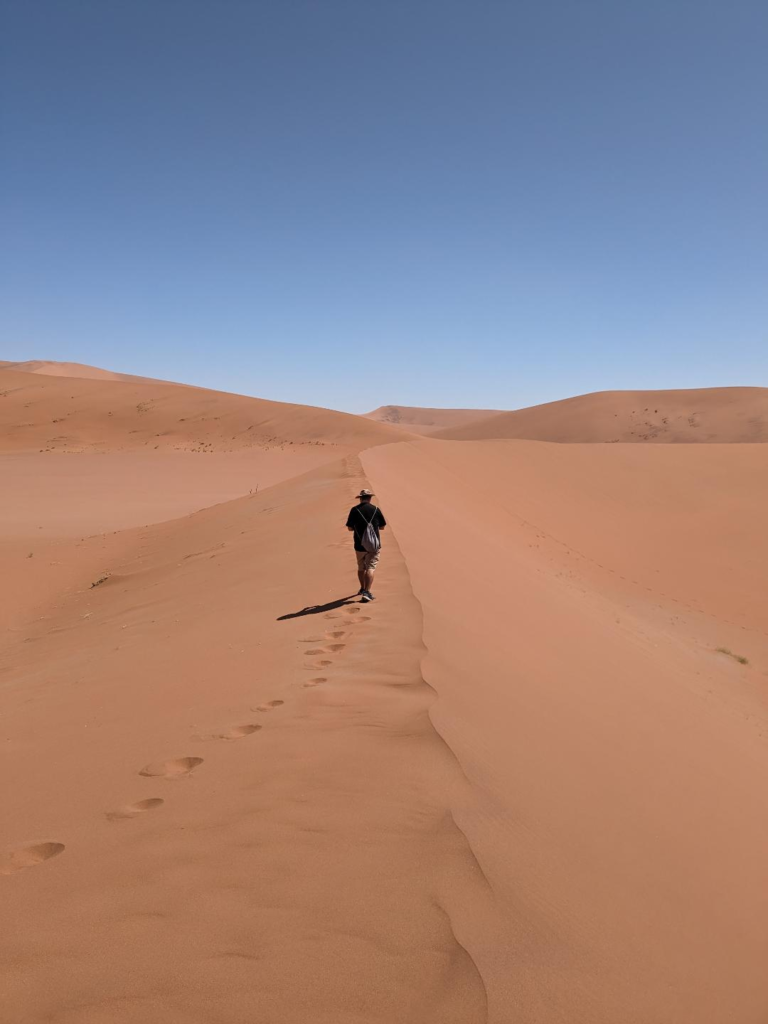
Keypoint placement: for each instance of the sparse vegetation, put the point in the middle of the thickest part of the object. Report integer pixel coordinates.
(738, 657)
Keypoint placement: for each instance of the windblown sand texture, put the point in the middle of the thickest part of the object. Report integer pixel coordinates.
(525, 785)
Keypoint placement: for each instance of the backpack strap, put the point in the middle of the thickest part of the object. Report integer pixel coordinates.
(368, 521)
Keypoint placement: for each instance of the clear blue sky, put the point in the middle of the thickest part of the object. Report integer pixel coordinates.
(480, 203)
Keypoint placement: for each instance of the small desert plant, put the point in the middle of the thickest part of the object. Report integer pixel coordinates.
(738, 657)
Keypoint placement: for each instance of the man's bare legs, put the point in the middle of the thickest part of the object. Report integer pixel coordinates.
(366, 579)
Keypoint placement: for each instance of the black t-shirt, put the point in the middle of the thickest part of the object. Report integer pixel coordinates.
(360, 516)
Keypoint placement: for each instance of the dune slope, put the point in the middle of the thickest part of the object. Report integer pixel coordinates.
(720, 415)
(70, 414)
(222, 805)
(522, 785)
(574, 598)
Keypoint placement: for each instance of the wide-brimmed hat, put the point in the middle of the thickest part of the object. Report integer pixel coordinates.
(365, 494)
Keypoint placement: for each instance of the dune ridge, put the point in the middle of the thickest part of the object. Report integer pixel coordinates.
(52, 368)
(48, 413)
(695, 416)
(249, 783)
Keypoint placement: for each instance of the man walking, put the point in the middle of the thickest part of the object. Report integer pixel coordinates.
(357, 523)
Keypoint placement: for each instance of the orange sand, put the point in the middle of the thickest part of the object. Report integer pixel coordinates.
(52, 413)
(574, 599)
(719, 415)
(49, 368)
(521, 786)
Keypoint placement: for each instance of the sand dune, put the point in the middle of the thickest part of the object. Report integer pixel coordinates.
(574, 600)
(80, 457)
(71, 414)
(220, 806)
(522, 785)
(427, 421)
(51, 368)
(720, 415)
(53, 502)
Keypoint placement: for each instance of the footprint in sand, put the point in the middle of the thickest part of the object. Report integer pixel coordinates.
(354, 622)
(175, 769)
(132, 810)
(28, 856)
(269, 706)
(317, 681)
(331, 615)
(336, 634)
(328, 649)
(239, 731)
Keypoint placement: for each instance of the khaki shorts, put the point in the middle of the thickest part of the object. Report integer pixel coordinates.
(367, 561)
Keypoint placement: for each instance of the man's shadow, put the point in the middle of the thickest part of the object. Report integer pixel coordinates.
(315, 609)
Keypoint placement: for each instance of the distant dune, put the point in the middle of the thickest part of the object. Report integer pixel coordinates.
(725, 415)
(50, 368)
(427, 421)
(58, 413)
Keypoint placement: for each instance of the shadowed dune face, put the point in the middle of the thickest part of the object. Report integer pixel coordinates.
(427, 421)
(40, 412)
(574, 601)
(710, 415)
